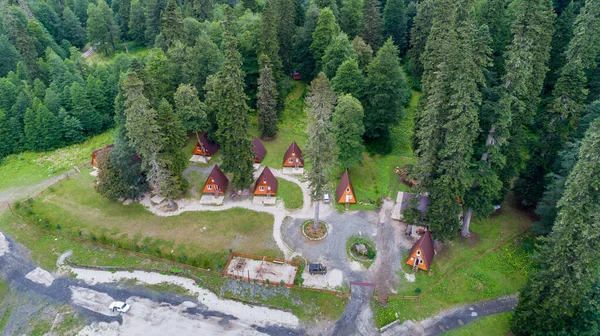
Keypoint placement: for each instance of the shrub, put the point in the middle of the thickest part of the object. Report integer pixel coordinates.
(418, 290)
(378, 202)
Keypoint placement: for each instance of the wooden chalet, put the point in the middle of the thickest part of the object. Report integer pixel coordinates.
(205, 147)
(422, 252)
(216, 183)
(293, 156)
(98, 152)
(345, 192)
(259, 150)
(266, 185)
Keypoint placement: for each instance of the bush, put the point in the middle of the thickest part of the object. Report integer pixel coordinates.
(418, 290)
(378, 202)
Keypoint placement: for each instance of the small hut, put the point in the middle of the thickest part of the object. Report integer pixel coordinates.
(345, 192)
(405, 201)
(216, 183)
(205, 147)
(293, 156)
(297, 75)
(98, 152)
(266, 185)
(422, 252)
(259, 150)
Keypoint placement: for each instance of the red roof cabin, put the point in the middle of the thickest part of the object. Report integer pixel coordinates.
(97, 152)
(421, 254)
(297, 75)
(205, 147)
(259, 150)
(345, 192)
(293, 156)
(266, 185)
(216, 183)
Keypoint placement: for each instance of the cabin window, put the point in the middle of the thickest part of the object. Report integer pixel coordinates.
(421, 261)
(347, 189)
(293, 154)
(264, 181)
(209, 187)
(268, 188)
(261, 188)
(290, 160)
(419, 252)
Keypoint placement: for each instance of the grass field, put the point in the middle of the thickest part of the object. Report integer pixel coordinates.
(494, 325)
(290, 193)
(29, 168)
(138, 50)
(74, 208)
(499, 273)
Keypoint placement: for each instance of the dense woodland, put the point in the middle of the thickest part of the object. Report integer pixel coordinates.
(509, 105)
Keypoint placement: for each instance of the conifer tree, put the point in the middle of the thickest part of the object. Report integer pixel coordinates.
(336, 53)
(269, 42)
(72, 28)
(286, 28)
(171, 159)
(80, 9)
(172, 23)
(108, 182)
(251, 5)
(70, 127)
(349, 79)
(190, 110)
(364, 52)
(348, 130)
(101, 27)
(320, 151)
(227, 100)
(202, 9)
(153, 12)
(7, 146)
(124, 17)
(267, 101)
(372, 31)
(418, 36)
(137, 22)
(327, 28)
(159, 76)
(394, 23)
(82, 109)
(203, 60)
(569, 261)
(351, 14)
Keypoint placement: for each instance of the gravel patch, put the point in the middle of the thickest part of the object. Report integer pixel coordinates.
(3, 244)
(40, 276)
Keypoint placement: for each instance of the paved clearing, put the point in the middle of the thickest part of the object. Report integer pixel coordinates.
(40, 276)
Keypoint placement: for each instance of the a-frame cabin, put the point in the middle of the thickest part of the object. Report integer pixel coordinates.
(259, 150)
(266, 185)
(422, 252)
(216, 183)
(345, 192)
(98, 152)
(293, 156)
(205, 147)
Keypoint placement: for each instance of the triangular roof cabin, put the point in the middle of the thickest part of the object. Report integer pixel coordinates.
(216, 183)
(345, 192)
(293, 156)
(422, 252)
(259, 150)
(97, 152)
(266, 185)
(205, 147)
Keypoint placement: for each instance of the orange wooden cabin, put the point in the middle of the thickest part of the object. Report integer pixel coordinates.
(266, 185)
(422, 252)
(345, 192)
(216, 183)
(98, 152)
(293, 156)
(259, 150)
(205, 147)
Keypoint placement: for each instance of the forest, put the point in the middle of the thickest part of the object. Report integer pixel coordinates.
(509, 105)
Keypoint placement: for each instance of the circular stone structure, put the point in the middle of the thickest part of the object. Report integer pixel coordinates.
(320, 234)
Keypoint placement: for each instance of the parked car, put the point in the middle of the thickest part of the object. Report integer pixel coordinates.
(317, 269)
(326, 198)
(119, 306)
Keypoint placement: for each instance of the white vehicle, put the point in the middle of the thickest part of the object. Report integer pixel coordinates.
(326, 198)
(119, 306)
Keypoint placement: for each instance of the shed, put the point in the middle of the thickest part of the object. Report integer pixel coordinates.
(293, 156)
(345, 192)
(406, 200)
(422, 252)
(297, 75)
(259, 150)
(216, 183)
(98, 152)
(266, 185)
(205, 147)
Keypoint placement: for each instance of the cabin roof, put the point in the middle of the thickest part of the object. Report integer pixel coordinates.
(219, 177)
(344, 183)
(293, 149)
(269, 177)
(109, 147)
(407, 199)
(425, 243)
(211, 147)
(259, 149)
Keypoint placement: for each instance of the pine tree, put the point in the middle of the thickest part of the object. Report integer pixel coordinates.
(137, 22)
(202, 9)
(172, 23)
(153, 12)
(95, 94)
(15, 27)
(324, 33)
(80, 9)
(372, 23)
(568, 261)
(101, 27)
(386, 93)
(494, 14)
(9, 56)
(269, 42)
(418, 36)
(70, 128)
(320, 152)
(203, 60)
(286, 28)
(303, 55)
(73, 30)
(108, 182)
(349, 79)
(394, 23)
(351, 14)
(190, 110)
(171, 159)
(364, 52)
(267, 101)
(348, 130)
(82, 109)
(251, 5)
(563, 32)
(338, 51)
(228, 101)
(159, 76)
(124, 17)
(7, 146)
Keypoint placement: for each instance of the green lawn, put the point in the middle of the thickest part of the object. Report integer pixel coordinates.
(493, 325)
(290, 193)
(499, 273)
(138, 50)
(201, 238)
(30, 168)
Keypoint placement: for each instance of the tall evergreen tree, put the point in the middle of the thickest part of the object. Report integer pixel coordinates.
(418, 36)
(348, 130)
(364, 52)
(137, 22)
(202, 9)
(124, 17)
(101, 27)
(563, 32)
(372, 23)
(9, 56)
(72, 28)
(338, 51)
(351, 14)
(269, 42)
(349, 79)
(153, 12)
(320, 151)
(267, 101)
(394, 23)
(286, 28)
(569, 260)
(386, 92)
(494, 14)
(82, 109)
(327, 28)
(159, 77)
(172, 23)
(80, 9)
(190, 110)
